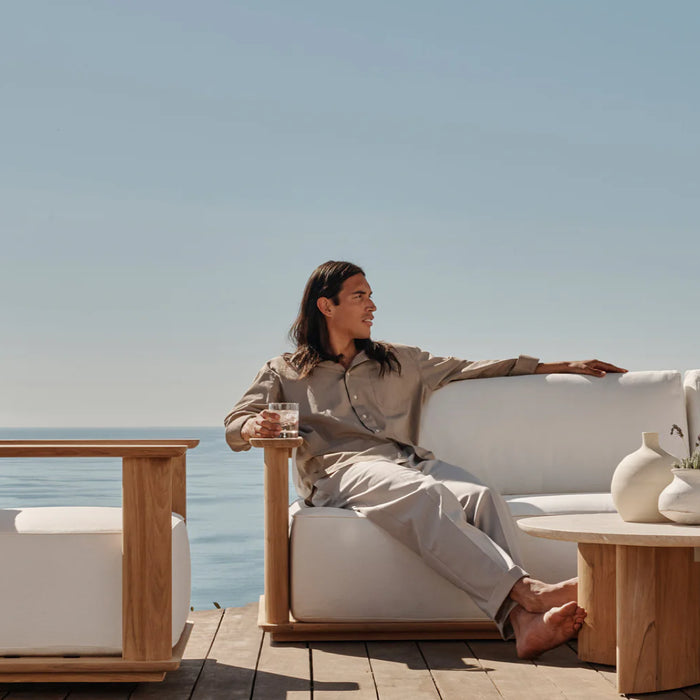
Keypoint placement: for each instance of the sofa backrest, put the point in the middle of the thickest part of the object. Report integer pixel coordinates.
(556, 433)
(691, 385)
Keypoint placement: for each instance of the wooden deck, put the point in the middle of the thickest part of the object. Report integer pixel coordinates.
(228, 657)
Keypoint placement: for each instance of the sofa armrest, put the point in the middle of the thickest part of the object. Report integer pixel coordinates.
(276, 457)
(153, 485)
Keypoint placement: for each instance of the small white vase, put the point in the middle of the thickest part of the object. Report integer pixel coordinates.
(639, 479)
(680, 500)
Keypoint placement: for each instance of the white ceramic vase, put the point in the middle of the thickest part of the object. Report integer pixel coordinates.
(680, 500)
(639, 479)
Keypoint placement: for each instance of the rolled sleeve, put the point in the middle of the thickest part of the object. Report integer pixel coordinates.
(266, 388)
(524, 365)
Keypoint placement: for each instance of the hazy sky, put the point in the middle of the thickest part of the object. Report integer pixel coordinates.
(515, 177)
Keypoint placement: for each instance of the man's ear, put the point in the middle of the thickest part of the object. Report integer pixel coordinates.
(325, 306)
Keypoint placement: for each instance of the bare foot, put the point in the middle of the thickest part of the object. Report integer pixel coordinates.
(537, 632)
(536, 596)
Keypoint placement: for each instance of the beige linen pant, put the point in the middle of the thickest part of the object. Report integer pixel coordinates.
(458, 526)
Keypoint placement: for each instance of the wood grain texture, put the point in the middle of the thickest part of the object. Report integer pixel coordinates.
(457, 673)
(229, 670)
(179, 684)
(658, 624)
(678, 617)
(596, 594)
(179, 485)
(38, 691)
(84, 677)
(276, 535)
(105, 691)
(341, 670)
(400, 671)
(637, 634)
(132, 450)
(147, 559)
(514, 678)
(147, 580)
(227, 643)
(574, 680)
(295, 631)
(170, 441)
(284, 672)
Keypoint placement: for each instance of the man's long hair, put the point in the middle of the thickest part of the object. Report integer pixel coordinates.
(309, 330)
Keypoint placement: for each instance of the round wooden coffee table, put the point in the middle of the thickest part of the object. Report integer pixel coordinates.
(640, 584)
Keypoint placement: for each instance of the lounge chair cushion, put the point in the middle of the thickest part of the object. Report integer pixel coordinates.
(61, 587)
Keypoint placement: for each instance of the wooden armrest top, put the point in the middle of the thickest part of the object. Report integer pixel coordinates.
(93, 448)
(283, 443)
(189, 442)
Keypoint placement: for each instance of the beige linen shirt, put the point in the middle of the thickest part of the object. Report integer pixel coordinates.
(354, 414)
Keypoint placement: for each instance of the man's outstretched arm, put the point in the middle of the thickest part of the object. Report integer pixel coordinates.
(595, 368)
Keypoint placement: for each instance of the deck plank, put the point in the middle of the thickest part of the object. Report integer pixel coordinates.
(400, 671)
(38, 691)
(103, 691)
(575, 679)
(178, 685)
(284, 671)
(609, 674)
(342, 670)
(456, 672)
(226, 647)
(229, 669)
(514, 678)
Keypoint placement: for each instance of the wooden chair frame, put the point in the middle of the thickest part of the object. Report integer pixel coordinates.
(154, 486)
(275, 616)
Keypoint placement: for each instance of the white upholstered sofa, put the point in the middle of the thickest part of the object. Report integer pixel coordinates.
(548, 443)
(98, 593)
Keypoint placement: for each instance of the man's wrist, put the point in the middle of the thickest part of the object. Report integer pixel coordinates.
(246, 434)
(549, 367)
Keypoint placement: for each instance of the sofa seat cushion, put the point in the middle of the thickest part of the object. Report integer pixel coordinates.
(531, 505)
(345, 568)
(61, 588)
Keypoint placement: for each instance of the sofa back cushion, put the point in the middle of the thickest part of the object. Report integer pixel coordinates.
(691, 384)
(556, 433)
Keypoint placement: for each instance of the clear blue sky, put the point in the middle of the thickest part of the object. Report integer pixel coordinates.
(515, 177)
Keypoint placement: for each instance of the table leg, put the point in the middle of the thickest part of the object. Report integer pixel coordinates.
(596, 594)
(658, 618)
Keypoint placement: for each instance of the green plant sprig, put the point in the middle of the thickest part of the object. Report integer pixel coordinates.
(692, 462)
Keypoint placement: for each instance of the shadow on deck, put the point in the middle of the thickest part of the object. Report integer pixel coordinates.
(227, 656)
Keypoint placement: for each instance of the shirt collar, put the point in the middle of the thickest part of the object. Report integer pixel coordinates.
(337, 367)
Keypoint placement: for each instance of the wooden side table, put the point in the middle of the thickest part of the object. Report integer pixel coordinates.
(640, 584)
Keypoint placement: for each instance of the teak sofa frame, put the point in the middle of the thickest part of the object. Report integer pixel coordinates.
(154, 486)
(274, 613)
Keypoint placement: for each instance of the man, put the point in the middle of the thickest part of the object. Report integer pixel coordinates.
(360, 403)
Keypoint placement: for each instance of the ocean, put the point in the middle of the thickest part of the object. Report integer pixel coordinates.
(224, 501)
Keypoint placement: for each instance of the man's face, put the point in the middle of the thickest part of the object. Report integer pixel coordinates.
(352, 315)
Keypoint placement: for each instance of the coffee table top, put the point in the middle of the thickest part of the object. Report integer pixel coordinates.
(610, 528)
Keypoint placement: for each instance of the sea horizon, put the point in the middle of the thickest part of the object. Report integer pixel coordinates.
(224, 500)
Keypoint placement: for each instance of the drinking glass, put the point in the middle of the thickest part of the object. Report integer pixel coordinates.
(289, 418)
